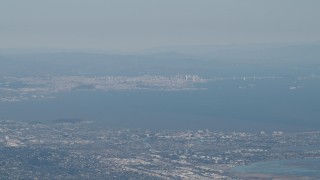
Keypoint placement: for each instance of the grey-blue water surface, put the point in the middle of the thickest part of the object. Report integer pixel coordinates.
(230, 105)
(295, 168)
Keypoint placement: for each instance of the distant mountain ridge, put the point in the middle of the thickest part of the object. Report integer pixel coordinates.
(209, 61)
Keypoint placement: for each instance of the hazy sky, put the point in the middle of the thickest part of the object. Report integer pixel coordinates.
(138, 24)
